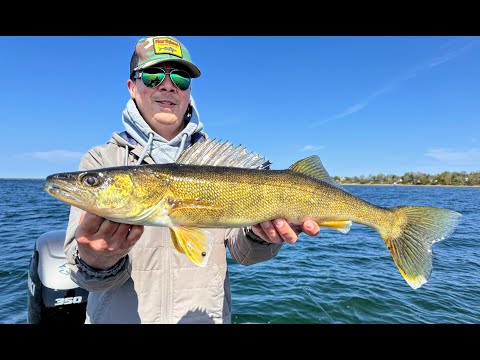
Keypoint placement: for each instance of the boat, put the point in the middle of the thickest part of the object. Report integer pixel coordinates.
(53, 297)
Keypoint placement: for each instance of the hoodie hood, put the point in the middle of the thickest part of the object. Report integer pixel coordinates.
(159, 149)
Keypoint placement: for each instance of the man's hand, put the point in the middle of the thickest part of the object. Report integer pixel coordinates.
(279, 230)
(102, 243)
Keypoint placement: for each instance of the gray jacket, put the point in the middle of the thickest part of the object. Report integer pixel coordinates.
(156, 283)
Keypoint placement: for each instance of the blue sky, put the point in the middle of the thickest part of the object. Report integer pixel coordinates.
(364, 104)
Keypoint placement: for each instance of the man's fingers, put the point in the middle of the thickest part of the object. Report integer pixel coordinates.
(108, 228)
(90, 222)
(280, 230)
(121, 232)
(311, 228)
(271, 232)
(257, 230)
(135, 233)
(82, 215)
(284, 230)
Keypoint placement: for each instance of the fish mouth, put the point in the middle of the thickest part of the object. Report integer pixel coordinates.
(66, 192)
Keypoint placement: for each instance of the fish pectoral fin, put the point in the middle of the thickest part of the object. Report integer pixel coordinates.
(342, 226)
(195, 242)
(178, 205)
(183, 211)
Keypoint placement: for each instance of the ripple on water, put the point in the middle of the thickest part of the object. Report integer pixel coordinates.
(330, 278)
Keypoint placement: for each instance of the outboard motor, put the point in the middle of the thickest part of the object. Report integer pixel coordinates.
(53, 297)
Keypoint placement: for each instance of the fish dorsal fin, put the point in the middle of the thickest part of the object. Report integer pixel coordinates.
(313, 167)
(216, 153)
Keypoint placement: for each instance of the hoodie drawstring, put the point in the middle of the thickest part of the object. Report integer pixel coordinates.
(182, 145)
(146, 149)
(148, 146)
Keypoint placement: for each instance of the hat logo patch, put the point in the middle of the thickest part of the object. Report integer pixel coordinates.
(167, 46)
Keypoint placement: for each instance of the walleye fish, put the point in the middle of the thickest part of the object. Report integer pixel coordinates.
(215, 184)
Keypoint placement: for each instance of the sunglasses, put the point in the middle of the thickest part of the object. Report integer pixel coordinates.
(153, 77)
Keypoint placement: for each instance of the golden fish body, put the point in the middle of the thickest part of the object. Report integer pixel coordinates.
(208, 196)
(190, 198)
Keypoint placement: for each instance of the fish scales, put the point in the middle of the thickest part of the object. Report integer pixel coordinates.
(216, 185)
(241, 197)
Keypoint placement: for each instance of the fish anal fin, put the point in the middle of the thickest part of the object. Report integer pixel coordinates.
(195, 242)
(342, 226)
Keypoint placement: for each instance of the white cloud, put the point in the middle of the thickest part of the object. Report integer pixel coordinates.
(453, 49)
(455, 157)
(312, 147)
(55, 155)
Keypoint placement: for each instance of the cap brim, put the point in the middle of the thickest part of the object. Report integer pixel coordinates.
(192, 69)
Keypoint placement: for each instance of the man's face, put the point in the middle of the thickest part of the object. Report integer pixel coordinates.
(163, 107)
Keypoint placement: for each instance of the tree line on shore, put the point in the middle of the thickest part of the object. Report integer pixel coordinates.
(415, 178)
(461, 178)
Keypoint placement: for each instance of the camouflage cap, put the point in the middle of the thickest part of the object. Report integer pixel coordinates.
(153, 50)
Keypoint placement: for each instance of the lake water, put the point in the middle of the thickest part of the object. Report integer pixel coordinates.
(332, 278)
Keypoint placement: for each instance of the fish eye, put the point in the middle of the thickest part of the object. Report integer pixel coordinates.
(90, 180)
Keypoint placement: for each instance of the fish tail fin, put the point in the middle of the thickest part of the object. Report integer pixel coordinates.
(415, 229)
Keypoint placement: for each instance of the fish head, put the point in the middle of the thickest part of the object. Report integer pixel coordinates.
(110, 193)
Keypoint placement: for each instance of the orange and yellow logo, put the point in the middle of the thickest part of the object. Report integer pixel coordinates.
(167, 46)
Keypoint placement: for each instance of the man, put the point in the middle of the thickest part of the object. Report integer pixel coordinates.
(134, 273)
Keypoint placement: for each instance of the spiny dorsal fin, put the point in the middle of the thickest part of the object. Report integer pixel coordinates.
(313, 167)
(215, 153)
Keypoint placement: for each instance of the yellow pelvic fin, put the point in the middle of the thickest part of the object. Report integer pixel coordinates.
(195, 242)
(175, 241)
(342, 226)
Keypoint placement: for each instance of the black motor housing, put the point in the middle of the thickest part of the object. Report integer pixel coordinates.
(53, 297)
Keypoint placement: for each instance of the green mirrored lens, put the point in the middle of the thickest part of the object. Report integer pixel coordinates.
(153, 77)
(181, 79)
(152, 80)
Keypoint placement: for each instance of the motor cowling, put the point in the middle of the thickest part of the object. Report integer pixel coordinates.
(52, 296)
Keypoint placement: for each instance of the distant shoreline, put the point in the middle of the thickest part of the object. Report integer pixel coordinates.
(22, 178)
(347, 184)
(356, 184)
